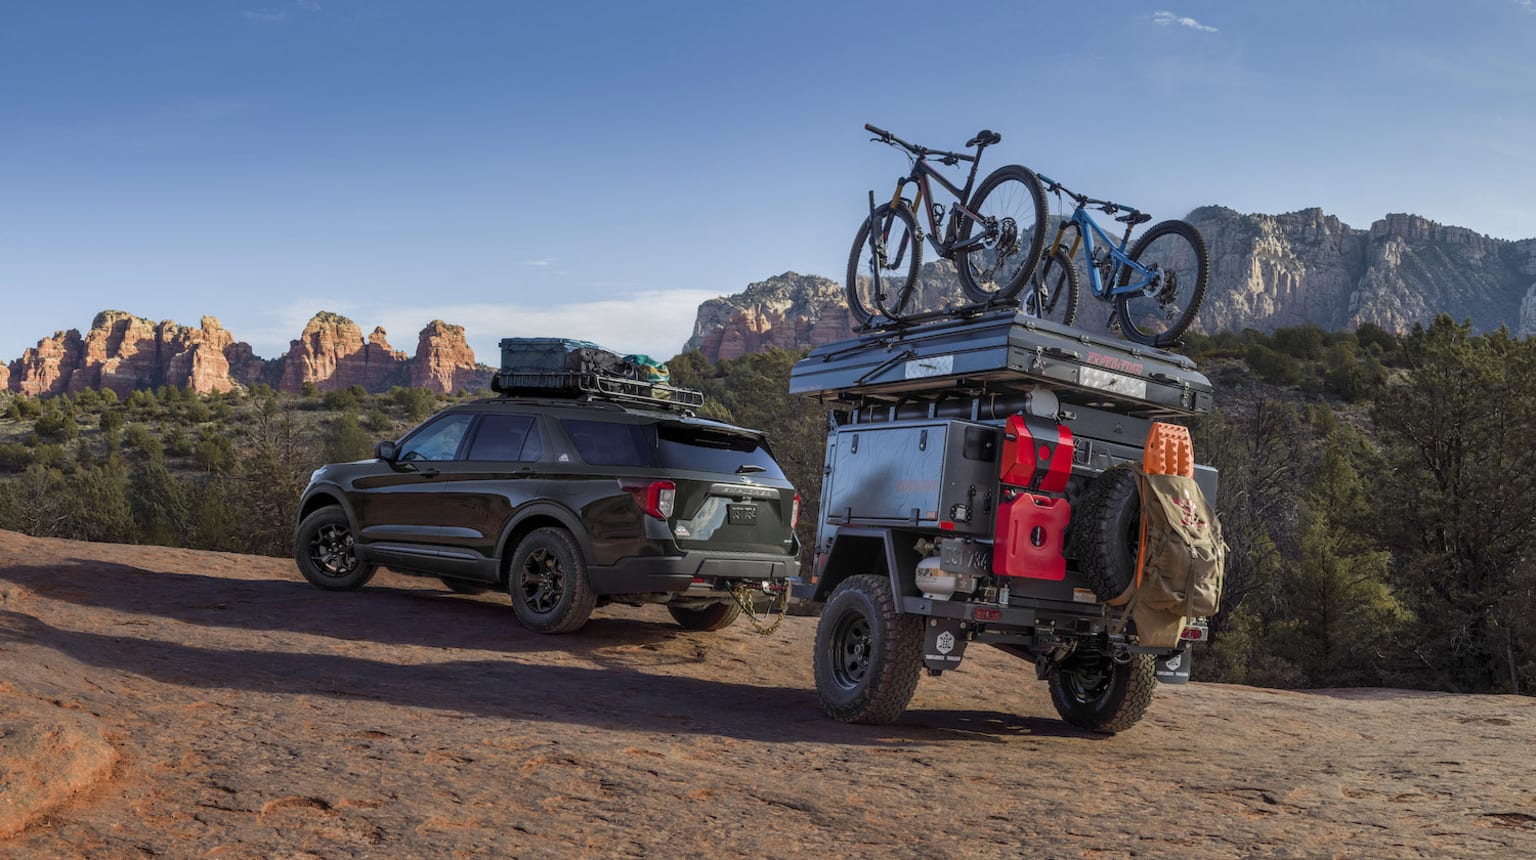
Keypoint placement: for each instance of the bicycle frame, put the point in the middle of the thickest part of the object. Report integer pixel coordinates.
(1143, 278)
(922, 171)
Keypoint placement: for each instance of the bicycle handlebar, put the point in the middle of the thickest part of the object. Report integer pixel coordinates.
(920, 151)
(1083, 199)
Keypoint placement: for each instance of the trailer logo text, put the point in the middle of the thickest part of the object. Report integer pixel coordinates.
(1115, 362)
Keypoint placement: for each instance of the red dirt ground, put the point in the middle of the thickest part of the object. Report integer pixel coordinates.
(168, 703)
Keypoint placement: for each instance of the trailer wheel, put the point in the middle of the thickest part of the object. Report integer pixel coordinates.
(868, 655)
(1096, 693)
(1106, 532)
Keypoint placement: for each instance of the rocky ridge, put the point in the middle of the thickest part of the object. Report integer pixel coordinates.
(124, 353)
(1267, 272)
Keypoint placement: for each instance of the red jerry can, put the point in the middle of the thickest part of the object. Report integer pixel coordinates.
(1031, 533)
(1036, 454)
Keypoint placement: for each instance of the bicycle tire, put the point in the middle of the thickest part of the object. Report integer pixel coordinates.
(863, 303)
(1139, 313)
(981, 284)
(1053, 291)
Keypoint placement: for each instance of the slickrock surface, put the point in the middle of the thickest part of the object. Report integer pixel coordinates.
(168, 703)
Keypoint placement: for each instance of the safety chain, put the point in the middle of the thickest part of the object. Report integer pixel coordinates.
(742, 595)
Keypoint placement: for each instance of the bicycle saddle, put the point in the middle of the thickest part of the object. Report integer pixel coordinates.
(1134, 218)
(985, 137)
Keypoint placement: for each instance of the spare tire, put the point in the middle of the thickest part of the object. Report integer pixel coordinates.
(1106, 532)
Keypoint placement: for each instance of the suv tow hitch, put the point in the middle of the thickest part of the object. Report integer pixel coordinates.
(778, 593)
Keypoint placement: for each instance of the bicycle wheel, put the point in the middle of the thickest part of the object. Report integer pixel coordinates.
(1052, 291)
(894, 265)
(1011, 204)
(1180, 266)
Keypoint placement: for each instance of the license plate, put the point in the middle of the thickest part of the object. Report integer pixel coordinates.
(741, 515)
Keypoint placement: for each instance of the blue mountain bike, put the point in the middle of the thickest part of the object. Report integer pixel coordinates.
(1156, 287)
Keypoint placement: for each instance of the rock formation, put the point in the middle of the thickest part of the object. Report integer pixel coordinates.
(444, 363)
(332, 354)
(1269, 271)
(124, 352)
(46, 368)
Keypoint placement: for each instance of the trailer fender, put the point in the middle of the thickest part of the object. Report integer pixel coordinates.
(854, 551)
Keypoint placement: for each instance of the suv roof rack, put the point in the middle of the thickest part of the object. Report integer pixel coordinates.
(600, 387)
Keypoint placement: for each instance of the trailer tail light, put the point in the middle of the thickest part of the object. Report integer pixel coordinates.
(1193, 633)
(794, 512)
(656, 498)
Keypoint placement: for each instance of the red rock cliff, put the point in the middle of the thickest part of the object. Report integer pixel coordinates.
(444, 362)
(332, 354)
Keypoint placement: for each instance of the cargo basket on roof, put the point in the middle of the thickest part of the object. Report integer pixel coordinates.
(561, 367)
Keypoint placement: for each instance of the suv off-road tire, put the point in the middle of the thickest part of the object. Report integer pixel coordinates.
(716, 616)
(1106, 532)
(547, 581)
(1096, 693)
(868, 656)
(325, 550)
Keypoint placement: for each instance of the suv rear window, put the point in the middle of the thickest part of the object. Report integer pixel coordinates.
(672, 446)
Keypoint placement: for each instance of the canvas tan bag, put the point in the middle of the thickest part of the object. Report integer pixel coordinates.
(1183, 559)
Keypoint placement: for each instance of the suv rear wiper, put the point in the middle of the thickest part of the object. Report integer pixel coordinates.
(750, 469)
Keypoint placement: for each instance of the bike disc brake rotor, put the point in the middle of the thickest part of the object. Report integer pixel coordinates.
(1003, 237)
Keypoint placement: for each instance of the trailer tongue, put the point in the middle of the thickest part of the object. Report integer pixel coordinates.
(960, 498)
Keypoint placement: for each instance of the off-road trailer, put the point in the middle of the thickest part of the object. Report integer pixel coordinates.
(958, 453)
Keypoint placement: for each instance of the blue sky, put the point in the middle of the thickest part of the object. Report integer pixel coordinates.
(595, 169)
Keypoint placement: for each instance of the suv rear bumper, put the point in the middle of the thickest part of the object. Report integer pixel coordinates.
(647, 574)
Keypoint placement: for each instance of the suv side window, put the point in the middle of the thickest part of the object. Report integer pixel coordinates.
(605, 443)
(506, 438)
(438, 440)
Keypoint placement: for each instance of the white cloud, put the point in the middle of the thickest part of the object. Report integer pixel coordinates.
(541, 264)
(1165, 18)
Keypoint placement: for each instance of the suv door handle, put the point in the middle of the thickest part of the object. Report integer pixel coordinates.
(428, 472)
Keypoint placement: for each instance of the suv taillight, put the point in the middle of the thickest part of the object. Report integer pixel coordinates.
(794, 512)
(655, 498)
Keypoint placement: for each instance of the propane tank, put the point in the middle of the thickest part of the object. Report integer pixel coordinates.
(939, 584)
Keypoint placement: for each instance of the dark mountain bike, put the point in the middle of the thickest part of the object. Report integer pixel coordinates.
(994, 236)
(1156, 287)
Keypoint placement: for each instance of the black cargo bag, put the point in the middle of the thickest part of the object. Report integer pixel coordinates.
(555, 363)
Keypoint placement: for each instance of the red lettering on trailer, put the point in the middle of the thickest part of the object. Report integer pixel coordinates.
(1115, 362)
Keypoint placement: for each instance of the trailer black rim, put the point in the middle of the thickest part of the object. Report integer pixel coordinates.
(851, 645)
(1086, 680)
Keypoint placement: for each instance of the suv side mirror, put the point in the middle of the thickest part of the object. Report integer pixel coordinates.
(386, 451)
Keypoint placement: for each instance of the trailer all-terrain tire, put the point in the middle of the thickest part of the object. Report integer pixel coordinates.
(1096, 693)
(717, 616)
(868, 655)
(1106, 532)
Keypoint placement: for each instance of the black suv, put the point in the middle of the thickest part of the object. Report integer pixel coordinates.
(564, 503)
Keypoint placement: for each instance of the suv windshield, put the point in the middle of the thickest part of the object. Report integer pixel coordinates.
(674, 446)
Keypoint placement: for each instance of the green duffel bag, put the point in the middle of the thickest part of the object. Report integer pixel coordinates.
(648, 369)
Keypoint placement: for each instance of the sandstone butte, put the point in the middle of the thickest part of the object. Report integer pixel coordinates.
(123, 352)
